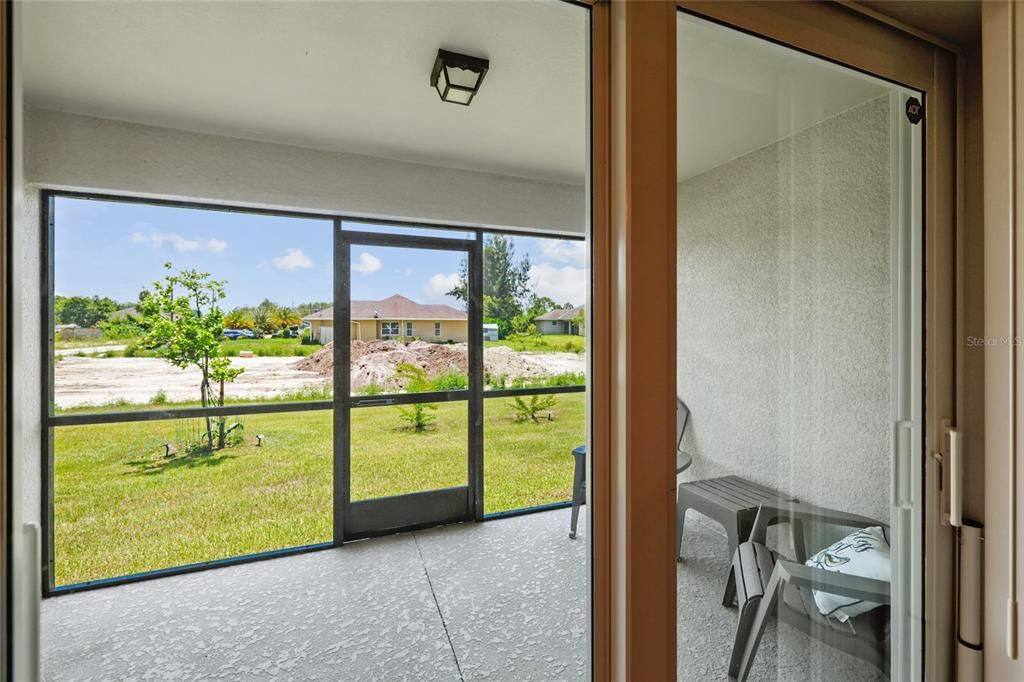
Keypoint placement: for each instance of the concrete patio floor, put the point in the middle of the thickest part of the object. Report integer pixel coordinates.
(503, 600)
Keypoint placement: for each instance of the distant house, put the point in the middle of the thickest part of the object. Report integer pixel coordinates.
(559, 322)
(124, 313)
(392, 318)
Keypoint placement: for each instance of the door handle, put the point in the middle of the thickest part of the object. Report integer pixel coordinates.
(370, 402)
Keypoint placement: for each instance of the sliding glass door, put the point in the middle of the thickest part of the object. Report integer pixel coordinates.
(800, 345)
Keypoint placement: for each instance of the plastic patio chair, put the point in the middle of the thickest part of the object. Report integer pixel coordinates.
(767, 584)
(579, 483)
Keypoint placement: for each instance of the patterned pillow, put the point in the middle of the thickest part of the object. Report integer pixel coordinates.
(864, 553)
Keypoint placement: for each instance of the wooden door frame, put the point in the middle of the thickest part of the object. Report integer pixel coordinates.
(633, 232)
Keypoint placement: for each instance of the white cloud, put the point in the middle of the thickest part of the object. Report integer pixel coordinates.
(437, 287)
(564, 251)
(179, 243)
(563, 284)
(293, 259)
(368, 264)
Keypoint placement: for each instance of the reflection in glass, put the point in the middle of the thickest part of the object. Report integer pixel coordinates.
(788, 251)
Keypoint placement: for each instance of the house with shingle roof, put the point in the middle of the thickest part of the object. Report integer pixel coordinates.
(394, 317)
(559, 321)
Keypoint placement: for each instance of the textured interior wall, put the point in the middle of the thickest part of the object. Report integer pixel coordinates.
(82, 152)
(784, 314)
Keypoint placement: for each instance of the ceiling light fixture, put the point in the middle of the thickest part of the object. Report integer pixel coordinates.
(457, 77)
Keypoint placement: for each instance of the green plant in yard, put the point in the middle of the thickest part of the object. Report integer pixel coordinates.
(372, 389)
(529, 408)
(450, 381)
(415, 380)
(184, 325)
(418, 415)
(159, 398)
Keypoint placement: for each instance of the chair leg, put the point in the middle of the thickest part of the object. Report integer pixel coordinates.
(732, 534)
(729, 598)
(578, 496)
(749, 633)
(680, 525)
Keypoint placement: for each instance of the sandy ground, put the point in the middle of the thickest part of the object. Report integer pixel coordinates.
(374, 362)
(94, 381)
(89, 349)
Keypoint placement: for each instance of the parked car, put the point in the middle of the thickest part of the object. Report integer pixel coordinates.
(235, 334)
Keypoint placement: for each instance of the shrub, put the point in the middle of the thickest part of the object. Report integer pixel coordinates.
(159, 398)
(418, 415)
(372, 389)
(132, 350)
(565, 379)
(316, 392)
(496, 382)
(450, 381)
(413, 378)
(528, 409)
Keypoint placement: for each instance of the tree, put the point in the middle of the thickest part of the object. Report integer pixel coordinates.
(239, 318)
(415, 380)
(83, 310)
(579, 319)
(184, 325)
(506, 282)
(283, 318)
(261, 319)
(530, 408)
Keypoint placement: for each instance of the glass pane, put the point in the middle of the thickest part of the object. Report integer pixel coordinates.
(395, 291)
(535, 293)
(798, 299)
(143, 496)
(399, 449)
(528, 444)
(267, 272)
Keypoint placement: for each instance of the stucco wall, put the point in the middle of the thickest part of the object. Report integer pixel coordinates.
(784, 314)
(82, 152)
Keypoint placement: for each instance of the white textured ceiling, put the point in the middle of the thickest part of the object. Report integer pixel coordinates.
(353, 76)
(347, 76)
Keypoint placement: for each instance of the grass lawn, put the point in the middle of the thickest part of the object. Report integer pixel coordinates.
(548, 342)
(259, 347)
(268, 347)
(122, 507)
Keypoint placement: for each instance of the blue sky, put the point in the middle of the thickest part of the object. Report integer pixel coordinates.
(115, 249)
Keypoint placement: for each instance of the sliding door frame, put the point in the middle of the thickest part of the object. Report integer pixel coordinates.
(633, 211)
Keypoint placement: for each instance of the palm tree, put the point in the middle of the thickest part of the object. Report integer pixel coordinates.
(261, 319)
(285, 317)
(239, 318)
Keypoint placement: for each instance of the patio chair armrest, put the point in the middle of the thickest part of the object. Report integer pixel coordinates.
(833, 582)
(772, 511)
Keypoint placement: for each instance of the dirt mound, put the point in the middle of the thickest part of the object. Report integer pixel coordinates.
(374, 362)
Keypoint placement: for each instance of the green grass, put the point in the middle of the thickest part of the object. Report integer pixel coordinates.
(262, 348)
(122, 507)
(551, 343)
(268, 347)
